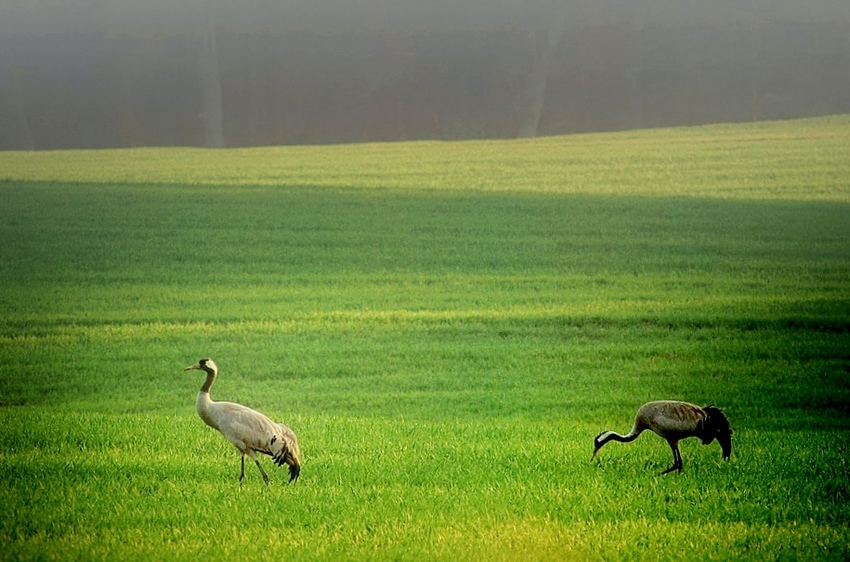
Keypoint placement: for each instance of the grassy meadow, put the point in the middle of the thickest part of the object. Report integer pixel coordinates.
(446, 326)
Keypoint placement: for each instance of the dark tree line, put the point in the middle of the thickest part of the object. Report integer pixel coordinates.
(96, 88)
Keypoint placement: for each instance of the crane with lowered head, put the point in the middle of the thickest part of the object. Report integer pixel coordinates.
(248, 430)
(675, 420)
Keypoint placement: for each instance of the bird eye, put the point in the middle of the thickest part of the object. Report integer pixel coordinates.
(274, 438)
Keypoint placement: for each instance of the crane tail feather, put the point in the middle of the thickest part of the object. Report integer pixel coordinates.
(286, 457)
(294, 471)
(287, 452)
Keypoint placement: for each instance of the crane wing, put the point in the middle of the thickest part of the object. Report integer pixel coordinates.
(669, 417)
(243, 427)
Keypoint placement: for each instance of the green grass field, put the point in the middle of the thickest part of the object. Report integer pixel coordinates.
(446, 326)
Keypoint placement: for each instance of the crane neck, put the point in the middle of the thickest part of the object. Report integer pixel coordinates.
(613, 436)
(209, 382)
(203, 405)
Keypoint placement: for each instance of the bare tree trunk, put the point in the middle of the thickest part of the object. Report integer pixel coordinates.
(23, 123)
(211, 115)
(544, 50)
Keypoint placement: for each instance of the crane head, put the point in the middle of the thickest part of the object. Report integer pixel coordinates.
(716, 426)
(206, 364)
(598, 441)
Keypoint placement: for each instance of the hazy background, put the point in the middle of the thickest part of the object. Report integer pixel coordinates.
(114, 73)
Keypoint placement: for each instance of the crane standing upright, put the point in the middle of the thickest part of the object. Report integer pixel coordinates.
(248, 430)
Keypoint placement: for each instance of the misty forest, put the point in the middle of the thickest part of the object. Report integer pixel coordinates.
(116, 73)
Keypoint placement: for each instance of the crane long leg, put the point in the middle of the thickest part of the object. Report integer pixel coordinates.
(263, 472)
(242, 475)
(253, 456)
(677, 458)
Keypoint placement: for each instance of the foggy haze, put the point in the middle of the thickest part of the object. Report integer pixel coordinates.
(114, 73)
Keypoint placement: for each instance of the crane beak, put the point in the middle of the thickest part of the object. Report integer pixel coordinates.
(597, 444)
(196, 366)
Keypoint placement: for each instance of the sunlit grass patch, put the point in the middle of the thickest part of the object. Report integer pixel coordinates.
(790, 160)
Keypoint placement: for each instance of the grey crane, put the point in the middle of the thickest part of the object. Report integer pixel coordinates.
(248, 430)
(674, 420)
